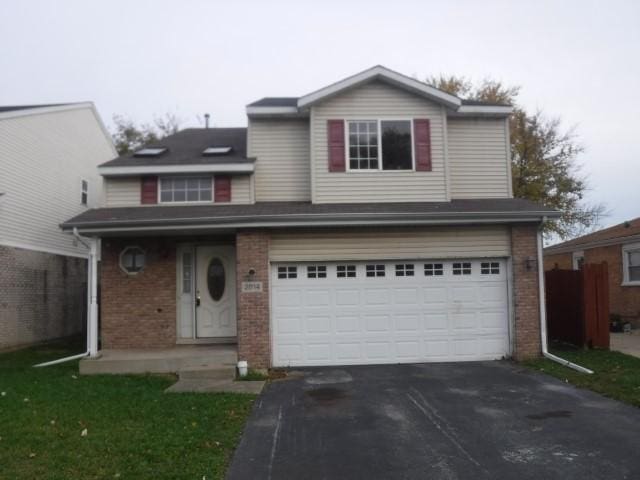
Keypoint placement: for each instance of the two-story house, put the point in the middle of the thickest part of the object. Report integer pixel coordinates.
(48, 172)
(370, 221)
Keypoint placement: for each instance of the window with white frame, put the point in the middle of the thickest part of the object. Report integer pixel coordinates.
(433, 269)
(490, 268)
(462, 268)
(375, 270)
(186, 189)
(380, 145)
(577, 258)
(316, 271)
(288, 272)
(132, 260)
(346, 271)
(84, 192)
(404, 270)
(631, 264)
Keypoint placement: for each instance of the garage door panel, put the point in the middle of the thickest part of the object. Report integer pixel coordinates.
(391, 319)
(318, 325)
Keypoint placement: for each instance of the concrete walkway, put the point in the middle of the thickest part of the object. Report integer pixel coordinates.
(628, 343)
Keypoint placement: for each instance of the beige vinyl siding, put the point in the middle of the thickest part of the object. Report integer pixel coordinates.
(125, 192)
(282, 166)
(241, 189)
(44, 156)
(478, 158)
(122, 192)
(396, 243)
(370, 102)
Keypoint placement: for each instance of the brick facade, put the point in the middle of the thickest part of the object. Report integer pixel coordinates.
(252, 252)
(525, 292)
(563, 261)
(42, 296)
(138, 311)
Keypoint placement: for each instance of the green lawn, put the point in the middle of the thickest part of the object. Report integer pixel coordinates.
(616, 375)
(133, 429)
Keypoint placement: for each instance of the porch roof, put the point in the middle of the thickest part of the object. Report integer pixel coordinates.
(289, 214)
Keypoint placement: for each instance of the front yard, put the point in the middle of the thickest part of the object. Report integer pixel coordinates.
(616, 375)
(55, 424)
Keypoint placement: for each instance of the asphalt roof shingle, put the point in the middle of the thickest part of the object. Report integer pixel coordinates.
(215, 214)
(620, 231)
(186, 147)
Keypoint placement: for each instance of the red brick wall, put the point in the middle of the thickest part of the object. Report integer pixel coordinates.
(252, 252)
(563, 261)
(525, 286)
(623, 300)
(138, 311)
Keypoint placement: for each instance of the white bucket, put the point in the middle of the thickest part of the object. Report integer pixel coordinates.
(243, 368)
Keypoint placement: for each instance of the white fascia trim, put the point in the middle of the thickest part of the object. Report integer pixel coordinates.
(42, 110)
(389, 75)
(257, 110)
(306, 223)
(162, 169)
(35, 248)
(481, 111)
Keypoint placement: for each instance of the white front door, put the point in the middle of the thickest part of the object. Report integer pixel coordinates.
(215, 291)
(340, 313)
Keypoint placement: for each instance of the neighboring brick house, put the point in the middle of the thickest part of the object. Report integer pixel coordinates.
(371, 221)
(48, 160)
(619, 247)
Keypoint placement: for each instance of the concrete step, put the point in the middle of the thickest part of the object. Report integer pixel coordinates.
(219, 373)
(139, 362)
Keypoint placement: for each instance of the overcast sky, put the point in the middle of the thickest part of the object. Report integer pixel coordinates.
(577, 60)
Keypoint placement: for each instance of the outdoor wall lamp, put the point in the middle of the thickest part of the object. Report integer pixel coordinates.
(529, 263)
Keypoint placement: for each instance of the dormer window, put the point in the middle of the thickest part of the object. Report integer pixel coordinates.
(150, 152)
(380, 145)
(219, 150)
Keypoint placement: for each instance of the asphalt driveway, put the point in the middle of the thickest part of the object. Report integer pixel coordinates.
(492, 420)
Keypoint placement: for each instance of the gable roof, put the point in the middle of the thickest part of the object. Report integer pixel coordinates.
(185, 148)
(299, 105)
(15, 108)
(621, 233)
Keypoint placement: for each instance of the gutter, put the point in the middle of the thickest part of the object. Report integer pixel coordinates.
(543, 314)
(314, 219)
(92, 304)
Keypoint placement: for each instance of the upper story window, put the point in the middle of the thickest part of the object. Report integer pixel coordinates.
(380, 145)
(186, 189)
(84, 192)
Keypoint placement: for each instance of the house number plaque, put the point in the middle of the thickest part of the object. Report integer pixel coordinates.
(251, 287)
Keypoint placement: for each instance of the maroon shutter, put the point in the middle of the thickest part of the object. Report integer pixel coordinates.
(422, 140)
(148, 190)
(335, 134)
(222, 188)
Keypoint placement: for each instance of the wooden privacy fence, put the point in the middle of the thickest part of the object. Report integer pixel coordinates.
(578, 305)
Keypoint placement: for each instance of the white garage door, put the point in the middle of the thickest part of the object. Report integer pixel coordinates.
(351, 313)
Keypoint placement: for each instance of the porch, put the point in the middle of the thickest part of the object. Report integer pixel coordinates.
(216, 360)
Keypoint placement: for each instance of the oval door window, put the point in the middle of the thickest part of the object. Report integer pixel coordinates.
(216, 279)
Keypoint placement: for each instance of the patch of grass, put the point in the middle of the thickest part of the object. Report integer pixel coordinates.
(133, 429)
(253, 375)
(616, 375)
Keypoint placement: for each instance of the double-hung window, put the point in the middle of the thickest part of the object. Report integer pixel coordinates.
(186, 189)
(380, 145)
(631, 264)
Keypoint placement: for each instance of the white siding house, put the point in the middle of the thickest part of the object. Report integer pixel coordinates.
(48, 159)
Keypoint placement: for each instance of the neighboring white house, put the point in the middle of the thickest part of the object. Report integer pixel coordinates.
(48, 159)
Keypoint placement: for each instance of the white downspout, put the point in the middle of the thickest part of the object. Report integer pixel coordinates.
(543, 312)
(92, 303)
